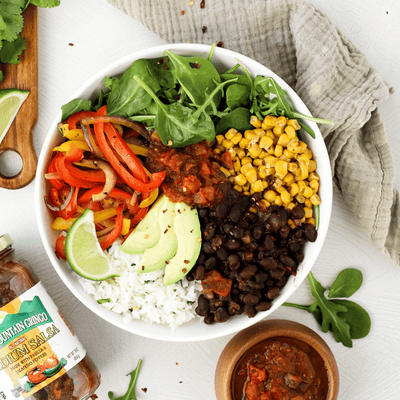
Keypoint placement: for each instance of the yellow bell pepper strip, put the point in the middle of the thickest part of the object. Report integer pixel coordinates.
(72, 134)
(66, 146)
(150, 200)
(139, 150)
(126, 225)
(61, 224)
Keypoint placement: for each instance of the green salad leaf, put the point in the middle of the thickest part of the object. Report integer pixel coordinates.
(345, 319)
(130, 394)
(74, 106)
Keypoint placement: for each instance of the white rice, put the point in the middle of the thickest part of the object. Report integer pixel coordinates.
(143, 295)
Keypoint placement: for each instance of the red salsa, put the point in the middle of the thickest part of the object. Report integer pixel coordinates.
(280, 369)
(193, 172)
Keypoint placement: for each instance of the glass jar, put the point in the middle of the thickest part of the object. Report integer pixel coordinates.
(24, 348)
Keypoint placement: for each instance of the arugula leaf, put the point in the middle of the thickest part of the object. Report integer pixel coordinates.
(345, 319)
(130, 394)
(74, 106)
(10, 51)
(347, 283)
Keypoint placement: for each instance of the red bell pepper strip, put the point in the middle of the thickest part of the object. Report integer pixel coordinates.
(125, 153)
(139, 216)
(115, 194)
(128, 178)
(75, 118)
(71, 207)
(56, 183)
(113, 235)
(60, 247)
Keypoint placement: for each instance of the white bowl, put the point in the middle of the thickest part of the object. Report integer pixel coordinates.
(194, 330)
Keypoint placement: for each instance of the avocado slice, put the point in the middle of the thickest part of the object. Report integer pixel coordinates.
(146, 234)
(157, 256)
(187, 229)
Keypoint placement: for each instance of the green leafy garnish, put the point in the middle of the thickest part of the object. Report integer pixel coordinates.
(75, 106)
(102, 301)
(11, 24)
(130, 394)
(345, 319)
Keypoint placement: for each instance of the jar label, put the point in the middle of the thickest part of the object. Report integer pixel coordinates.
(36, 344)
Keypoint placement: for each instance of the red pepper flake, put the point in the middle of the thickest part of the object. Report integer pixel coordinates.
(204, 29)
(183, 12)
(186, 261)
(220, 44)
(143, 267)
(176, 363)
(160, 61)
(164, 211)
(166, 262)
(195, 65)
(203, 4)
(165, 231)
(144, 390)
(166, 67)
(192, 231)
(70, 44)
(184, 270)
(180, 381)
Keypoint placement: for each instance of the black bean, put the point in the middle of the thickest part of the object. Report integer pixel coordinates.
(235, 213)
(233, 194)
(216, 242)
(246, 239)
(234, 308)
(232, 244)
(273, 223)
(233, 262)
(284, 231)
(288, 261)
(273, 293)
(199, 272)
(269, 243)
(255, 197)
(210, 263)
(250, 311)
(263, 306)
(248, 271)
(203, 305)
(269, 263)
(248, 256)
(208, 231)
(282, 282)
(208, 320)
(208, 248)
(227, 227)
(298, 212)
(257, 232)
(203, 212)
(261, 276)
(250, 299)
(251, 218)
(222, 253)
(310, 232)
(221, 211)
(237, 232)
(221, 315)
(276, 273)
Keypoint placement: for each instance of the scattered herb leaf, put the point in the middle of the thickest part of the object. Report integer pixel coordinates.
(130, 394)
(102, 301)
(346, 284)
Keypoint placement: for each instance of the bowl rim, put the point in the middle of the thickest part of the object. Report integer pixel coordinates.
(267, 329)
(179, 335)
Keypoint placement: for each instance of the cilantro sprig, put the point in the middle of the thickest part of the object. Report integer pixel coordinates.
(11, 24)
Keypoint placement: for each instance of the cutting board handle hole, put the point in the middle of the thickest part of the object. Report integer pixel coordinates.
(10, 163)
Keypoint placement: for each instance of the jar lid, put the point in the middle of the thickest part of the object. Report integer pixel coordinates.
(5, 242)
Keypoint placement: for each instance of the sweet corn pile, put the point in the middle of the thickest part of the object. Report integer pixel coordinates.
(271, 159)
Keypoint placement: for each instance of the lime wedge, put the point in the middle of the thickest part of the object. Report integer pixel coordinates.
(83, 250)
(10, 103)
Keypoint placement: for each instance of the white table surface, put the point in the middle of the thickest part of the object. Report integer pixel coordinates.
(100, 34)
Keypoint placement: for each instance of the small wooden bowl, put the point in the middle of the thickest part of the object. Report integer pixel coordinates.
(249, 337)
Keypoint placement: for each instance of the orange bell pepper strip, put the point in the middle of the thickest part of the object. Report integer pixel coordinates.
(56, 183)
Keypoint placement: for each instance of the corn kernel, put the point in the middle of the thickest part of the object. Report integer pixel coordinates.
(294, 123)
(220, 138)
(270, 120)
(236, 164)
(218, 151)
(244, 168)
(240, 180)
(236, 139)
(248, 134)
(311, 166)
(294, 189)
(238, 188)
(278, 130)
(308, 212)
(240, 152)
(281, 121)
(313, 176)
(266, 142)
(265, 184)
(285, 196)
(262, 171)
(281, 167)
(246, 160)
(255, 151)
(288, 154)
(280, 189)
(300, 198)
(302, 186)
(265, 202)
(314, 185)
(243, 143)
(293, 167)
(278, 201)
(304, 172)
(257, 162)
(227, 143)
(290, 131)
(225, 171)
(270, 195)
(283, 139)
(259, 132)
(315, 199)
(308, 152)
(277, 183)
(302, 158)
(270, 171)
(288, 179)
(291, 224)
(263, 154)
(230, 134)
(278, 150)
(270, 134)
(246, 187)
(270, 161)
(255, 121)
(307, 203)
(251, 175)
(247, 193)
(311, 221)
(308, 192)
(257, 186)
(290, 206)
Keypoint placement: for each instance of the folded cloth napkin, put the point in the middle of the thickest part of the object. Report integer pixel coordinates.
(331, 76)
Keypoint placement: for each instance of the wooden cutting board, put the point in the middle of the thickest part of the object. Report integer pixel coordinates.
(23, 76)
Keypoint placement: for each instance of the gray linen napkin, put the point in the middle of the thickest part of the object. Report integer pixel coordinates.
(331, 76)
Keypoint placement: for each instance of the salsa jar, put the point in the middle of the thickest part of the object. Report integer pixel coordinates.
(40, 356)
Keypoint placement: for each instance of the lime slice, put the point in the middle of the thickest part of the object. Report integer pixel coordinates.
(10, 102)
(83, 250)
